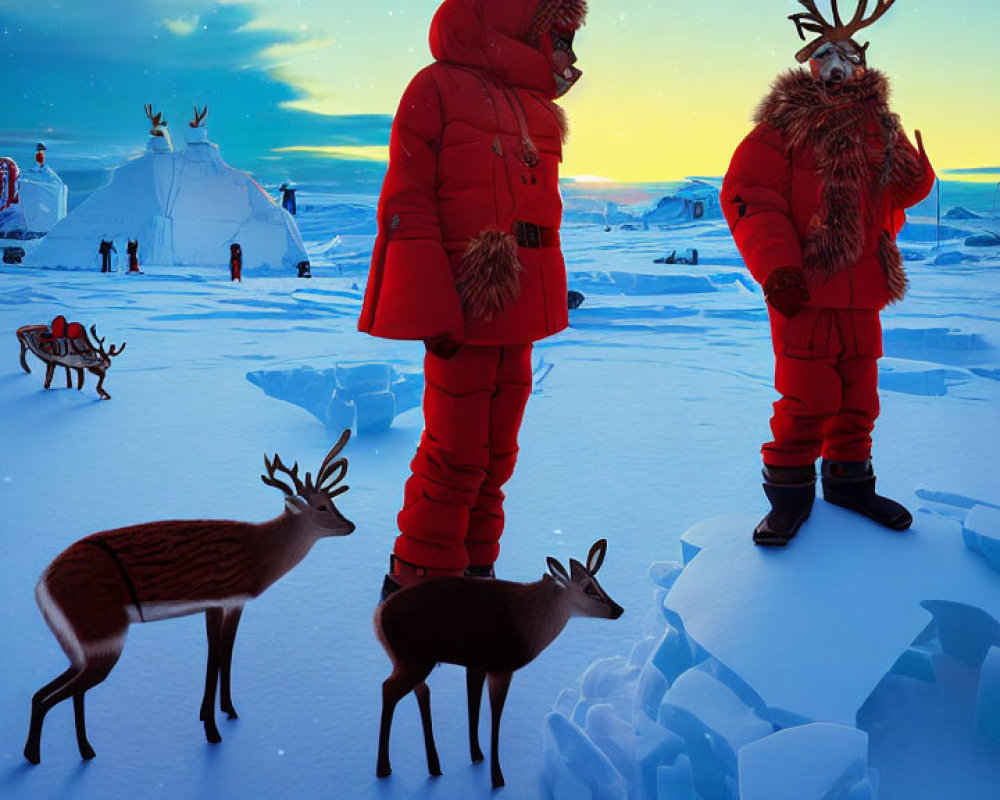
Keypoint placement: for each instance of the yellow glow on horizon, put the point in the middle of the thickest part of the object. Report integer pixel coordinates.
(668, 89)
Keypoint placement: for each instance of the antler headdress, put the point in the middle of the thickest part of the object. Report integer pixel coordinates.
(813, 21)
(157, 120)
(199, 117)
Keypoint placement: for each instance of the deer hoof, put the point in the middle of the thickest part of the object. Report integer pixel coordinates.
(212, 734)
(87, 752)
(477, 756)
(383, 771)
(498, 782)
(33, 754)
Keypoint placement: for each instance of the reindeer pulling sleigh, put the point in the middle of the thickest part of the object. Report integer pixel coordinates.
(68, 346)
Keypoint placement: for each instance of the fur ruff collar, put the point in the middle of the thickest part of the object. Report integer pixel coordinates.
(835, 123)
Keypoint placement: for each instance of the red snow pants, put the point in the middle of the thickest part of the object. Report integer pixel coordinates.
(826, 370)
(453, 502)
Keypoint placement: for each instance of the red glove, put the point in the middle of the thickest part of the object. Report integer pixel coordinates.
(443, 348)
(785, 290)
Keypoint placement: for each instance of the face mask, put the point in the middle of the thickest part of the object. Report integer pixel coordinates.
(837, 62)
(563, 60)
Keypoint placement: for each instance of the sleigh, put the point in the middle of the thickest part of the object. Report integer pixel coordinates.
(68, 346)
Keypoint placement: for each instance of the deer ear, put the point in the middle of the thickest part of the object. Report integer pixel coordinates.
(596, 556)
(557, 571)
(578, 571)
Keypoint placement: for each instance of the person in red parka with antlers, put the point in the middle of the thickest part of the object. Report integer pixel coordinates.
(815, 196)
(467, 259)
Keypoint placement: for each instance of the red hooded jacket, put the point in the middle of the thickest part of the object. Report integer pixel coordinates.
(475, 148)
(821, 184)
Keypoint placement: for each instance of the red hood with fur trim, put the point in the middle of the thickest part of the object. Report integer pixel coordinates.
(494, 36)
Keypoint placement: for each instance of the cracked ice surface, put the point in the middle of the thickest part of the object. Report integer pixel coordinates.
(765, 671)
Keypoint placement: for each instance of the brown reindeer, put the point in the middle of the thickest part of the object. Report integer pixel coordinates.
(490, 627)
(72, 352)
(103, 583)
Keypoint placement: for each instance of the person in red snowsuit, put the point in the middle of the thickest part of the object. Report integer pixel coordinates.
(235, 262)
(467, 259)
(815, 196)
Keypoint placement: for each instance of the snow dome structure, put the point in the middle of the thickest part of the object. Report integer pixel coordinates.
(185, 207)
(696, 199)
(38, 198)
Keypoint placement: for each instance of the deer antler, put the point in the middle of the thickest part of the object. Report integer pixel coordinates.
(199, 117)
(157, 120)
(813, 21)
(331, 471)
(293, 473)
(115, 349)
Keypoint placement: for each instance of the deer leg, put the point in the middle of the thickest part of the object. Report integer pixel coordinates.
(69, 377)
(100, 385)
(79, 378)
(499, 684)
(229, 624)
(50, 370)
(24, 352)
(86, 751)
(423, 694)
(402, 681)
(213, 627)
(32, 748)
(474, 680)
(72, 682)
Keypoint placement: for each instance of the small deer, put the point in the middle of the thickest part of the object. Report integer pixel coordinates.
(103, 583)
(490, 627)
(71, 349)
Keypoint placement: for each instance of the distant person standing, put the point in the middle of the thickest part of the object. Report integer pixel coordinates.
(288, 198)
(40, 155)
(132, 248)
(235, 262)
(106, 248)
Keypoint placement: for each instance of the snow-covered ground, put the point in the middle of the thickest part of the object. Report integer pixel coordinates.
(647, 419)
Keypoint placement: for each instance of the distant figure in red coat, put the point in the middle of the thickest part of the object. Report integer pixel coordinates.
(815, 197)
(467, 260)
(235, 262)
(40, 155)
(132, 248)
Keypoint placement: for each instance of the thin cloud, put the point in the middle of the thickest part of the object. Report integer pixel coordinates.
(344, 152)
(182, 27)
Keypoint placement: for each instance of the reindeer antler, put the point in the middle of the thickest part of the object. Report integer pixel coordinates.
(293, 473)
(813, 21)
(115, 349)
(332, 472)
(199, 117)
(157, 119)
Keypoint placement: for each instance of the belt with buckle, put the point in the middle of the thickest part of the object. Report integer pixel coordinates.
(535, 236)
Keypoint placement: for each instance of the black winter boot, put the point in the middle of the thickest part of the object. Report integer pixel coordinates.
(851, 485)
(403, 573)
(480, 571)
(791, 491)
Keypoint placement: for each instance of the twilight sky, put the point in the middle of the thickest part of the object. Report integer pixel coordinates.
(307, 87)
